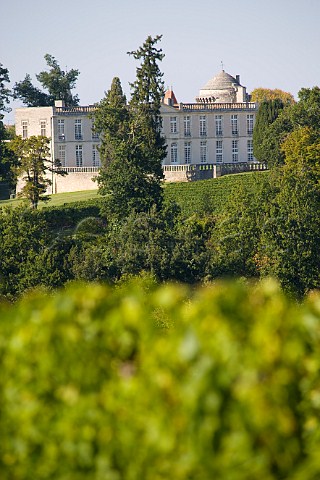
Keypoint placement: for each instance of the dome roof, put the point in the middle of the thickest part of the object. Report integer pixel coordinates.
(223, 88)
(221, 81)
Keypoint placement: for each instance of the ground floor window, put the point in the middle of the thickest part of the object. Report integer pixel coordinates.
(219, 151)
(203, 152)
(62, 155)
(95, 156)
(79, 156)
(174, 153)
(250, 150)
(235, 151)
(187, 152)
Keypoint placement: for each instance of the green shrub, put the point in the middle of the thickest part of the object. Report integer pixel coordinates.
(92, 387)
(70, 214)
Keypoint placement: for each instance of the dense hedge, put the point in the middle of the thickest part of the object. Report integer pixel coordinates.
(146, 382)
(70, 214)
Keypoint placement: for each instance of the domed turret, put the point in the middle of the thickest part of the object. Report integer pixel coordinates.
(223, 88)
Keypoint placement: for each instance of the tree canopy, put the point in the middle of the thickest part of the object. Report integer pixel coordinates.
(34, 163)
(271, 130)
(56, 81)
(265, 94)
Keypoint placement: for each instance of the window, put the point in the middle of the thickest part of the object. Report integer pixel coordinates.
(94, 135)
(187, 152)
(250, 150)
(250, 124)
(203, 152)
(24, 124)
(61, 135)
(95, 156)
(219, 131)
(187, 126)
(173, 125)
(79, 155)
(174, 153)
(62, 154)
(43, 129)
(219, 151)
(235, 153)
(78, 129)
(203, 126)
(234, 124)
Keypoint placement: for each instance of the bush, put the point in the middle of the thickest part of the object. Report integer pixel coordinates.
(70, 214)
(146, 382)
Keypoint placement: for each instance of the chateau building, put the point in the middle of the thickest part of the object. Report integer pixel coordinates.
(72, 142)
(70, 128)
(215, 130)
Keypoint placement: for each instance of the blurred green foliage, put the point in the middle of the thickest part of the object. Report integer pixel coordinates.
(145, 382)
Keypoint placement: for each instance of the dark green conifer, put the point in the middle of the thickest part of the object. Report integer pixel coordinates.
(268, 112)
(132, 145)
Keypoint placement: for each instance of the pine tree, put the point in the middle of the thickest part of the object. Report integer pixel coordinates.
(132, 146)
(6, 157)
(147, 92)
(5, 92)
(58, 83)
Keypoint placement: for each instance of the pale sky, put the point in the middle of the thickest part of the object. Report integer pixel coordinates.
(270, 43)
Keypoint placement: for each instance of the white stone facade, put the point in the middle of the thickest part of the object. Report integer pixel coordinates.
(216, 129)
(209, 133)
(72, 142)
(70, 130)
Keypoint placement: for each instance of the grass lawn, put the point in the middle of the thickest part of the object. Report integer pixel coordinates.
(56, 199)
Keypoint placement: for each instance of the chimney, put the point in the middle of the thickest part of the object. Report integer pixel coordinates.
(59, 103)
(238, 78)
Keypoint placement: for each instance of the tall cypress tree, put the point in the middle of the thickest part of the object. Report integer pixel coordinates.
(110, 121)
(268, 112)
